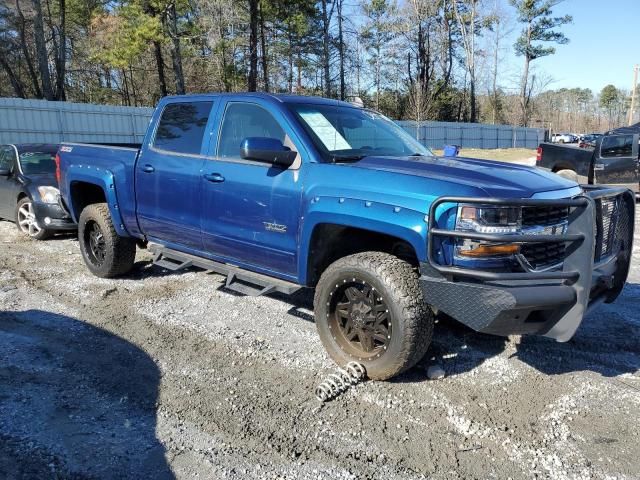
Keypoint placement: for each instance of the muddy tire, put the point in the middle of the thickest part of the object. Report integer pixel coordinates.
(568, 174)
(369, 308)
(27, 222)
(105, 253)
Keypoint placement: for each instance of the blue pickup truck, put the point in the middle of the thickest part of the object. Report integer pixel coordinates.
(280, 193)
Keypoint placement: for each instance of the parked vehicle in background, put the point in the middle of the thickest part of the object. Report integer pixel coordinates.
(284, 192)
(563, 138)
(29, 193)
(589, 141)
(613, 161)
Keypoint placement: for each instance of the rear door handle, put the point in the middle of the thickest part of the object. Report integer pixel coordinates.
(214, 177)
(148, 168)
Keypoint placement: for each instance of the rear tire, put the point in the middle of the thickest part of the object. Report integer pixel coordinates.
(568, 174)
(105, 253)
(363, 298)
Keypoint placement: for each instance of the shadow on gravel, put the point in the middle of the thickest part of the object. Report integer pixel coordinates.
(76, 401)
(607, 343)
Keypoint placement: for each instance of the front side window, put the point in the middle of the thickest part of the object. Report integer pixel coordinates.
(38, 162)
(243, 120)
(617, 146)
(342, 132)
(182, 127)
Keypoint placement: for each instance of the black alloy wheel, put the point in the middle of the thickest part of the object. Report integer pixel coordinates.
(359, 319)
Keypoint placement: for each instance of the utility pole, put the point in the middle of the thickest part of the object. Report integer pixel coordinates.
(633, 93)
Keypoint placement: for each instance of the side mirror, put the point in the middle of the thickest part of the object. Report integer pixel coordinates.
(267, 150)
(4, 172)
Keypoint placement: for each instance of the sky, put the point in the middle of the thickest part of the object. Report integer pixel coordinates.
(603, 46)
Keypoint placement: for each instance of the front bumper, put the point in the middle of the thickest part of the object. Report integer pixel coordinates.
(52, 216)
(551, 303)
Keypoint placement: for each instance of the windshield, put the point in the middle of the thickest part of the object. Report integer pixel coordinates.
(349, 133)
(37, 162)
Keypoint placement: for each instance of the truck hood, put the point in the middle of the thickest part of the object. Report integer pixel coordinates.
(497, 179)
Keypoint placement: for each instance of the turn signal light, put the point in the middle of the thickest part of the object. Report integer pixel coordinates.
(490, 250)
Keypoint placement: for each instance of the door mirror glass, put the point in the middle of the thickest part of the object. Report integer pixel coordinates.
(268, 150)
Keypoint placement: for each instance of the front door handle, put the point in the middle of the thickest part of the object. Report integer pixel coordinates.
(148, 168)
(214, 177)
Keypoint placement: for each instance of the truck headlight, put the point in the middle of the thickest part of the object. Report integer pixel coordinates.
(487, 219)
(49, 194)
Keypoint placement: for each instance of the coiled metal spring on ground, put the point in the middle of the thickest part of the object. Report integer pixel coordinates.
(336, 383)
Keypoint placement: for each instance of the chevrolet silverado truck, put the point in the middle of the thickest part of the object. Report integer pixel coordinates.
(280, 193)
(613, 161)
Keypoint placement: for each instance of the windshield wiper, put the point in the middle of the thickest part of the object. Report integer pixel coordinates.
(347, 158)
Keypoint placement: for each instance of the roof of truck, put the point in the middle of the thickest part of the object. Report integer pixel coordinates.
(630, 129)
(282, 98)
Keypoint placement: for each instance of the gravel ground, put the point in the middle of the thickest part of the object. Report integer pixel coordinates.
(164, 375)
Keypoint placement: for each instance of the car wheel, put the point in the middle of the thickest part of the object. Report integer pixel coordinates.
(28, 223)
(568, 174)
(369, 308)
(105, 253)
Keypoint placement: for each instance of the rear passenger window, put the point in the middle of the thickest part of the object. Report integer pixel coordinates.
(182, 127)
(617, 146)
(242, 120)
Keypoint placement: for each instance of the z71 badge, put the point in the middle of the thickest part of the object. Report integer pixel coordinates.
(274, 227)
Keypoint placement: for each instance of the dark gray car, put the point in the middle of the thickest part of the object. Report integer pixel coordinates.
(29, 194)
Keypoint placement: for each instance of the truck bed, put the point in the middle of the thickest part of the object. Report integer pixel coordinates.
(559, 157)
(112, 165)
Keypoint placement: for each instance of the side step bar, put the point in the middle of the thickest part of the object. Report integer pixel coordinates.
(238, 279)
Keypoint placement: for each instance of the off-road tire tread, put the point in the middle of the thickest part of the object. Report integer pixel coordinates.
(123, 248)
(401, 279)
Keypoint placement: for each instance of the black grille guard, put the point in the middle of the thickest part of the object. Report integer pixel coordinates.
(594, 279)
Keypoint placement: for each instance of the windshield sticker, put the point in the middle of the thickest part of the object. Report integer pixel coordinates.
(326, 132)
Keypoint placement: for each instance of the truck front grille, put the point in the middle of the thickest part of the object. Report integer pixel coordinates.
(543, 255)
(542, 216)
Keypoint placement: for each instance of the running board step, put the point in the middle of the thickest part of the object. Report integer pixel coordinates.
(238, 280)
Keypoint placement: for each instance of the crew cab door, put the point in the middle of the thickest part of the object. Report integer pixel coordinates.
(616, 161)
(250, 210)
(168, 173)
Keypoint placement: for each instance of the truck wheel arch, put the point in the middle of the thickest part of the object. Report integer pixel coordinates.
(330, 241)
(83, 194)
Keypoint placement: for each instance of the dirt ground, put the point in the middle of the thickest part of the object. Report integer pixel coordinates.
(164, 375)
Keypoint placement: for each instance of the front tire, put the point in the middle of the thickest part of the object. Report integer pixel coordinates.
(369, 308)
(105, 253)
(27, 222)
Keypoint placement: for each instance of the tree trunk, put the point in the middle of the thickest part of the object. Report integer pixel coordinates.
(265, 57)
(162, 83)
(341, 51)
(523, 93)
(326, 21)
(41, 51)
(25, 52)
(61, 57)
(176, 54)
(253, 45)
(15, 82)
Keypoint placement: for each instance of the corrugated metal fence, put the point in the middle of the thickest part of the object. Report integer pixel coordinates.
(40, 121)
(24, 121)
(474, 135)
